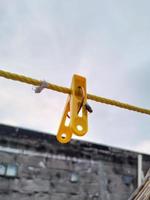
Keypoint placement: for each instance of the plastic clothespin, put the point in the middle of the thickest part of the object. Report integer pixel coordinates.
(75, 112)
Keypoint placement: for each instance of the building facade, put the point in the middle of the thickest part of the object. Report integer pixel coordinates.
(34, 166)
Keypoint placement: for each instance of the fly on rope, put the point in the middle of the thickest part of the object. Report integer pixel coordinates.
(71, 91)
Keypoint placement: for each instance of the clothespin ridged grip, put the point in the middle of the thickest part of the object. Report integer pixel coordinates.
(75, 111)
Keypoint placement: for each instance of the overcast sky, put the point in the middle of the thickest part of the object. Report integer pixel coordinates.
(108, 42)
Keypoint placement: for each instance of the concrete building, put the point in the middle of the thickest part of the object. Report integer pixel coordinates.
(34, 166)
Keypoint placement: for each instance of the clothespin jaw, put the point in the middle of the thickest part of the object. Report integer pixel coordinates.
(76, 105)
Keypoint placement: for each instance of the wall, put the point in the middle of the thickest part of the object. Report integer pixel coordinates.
(48, 170)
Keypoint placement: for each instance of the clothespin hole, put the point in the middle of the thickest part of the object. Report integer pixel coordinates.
(67, 122)
(63, 136)
(80, 113)
(79, 127)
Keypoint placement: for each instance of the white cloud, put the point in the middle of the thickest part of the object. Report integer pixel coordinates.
(143, 146)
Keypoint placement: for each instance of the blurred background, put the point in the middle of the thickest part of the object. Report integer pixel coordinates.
(106, 41)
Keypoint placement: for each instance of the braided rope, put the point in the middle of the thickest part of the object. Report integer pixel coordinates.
(65, 90)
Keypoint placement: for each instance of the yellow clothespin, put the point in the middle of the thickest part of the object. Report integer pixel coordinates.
(75, 111)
